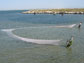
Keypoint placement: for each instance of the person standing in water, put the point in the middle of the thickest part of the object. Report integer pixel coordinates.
(69, 42)
(79, 24)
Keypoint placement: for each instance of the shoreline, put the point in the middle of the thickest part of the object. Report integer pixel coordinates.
(55, 11)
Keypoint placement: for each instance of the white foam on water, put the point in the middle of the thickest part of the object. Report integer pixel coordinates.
(61, 26)
(65, 26)
(38, 41)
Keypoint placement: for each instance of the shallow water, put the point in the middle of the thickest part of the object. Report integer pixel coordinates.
(13, 50)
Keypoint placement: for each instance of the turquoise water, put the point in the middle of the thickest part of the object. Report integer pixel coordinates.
(13, 50)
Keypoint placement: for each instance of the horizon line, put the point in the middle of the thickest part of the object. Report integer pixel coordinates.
(38, 8)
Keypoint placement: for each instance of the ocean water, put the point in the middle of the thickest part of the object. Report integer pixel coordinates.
(40, 38)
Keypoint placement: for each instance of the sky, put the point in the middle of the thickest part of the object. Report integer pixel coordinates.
(39, 4)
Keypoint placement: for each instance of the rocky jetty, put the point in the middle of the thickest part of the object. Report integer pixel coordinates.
(55, 11)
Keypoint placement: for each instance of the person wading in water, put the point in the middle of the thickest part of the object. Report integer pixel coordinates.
(79, 24)
(69, 42)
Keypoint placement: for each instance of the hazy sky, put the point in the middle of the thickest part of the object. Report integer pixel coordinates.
(40, 4)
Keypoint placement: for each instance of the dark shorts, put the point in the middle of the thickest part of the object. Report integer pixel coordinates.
(79, 26)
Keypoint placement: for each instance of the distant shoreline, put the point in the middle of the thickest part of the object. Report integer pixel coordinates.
(55, 11)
